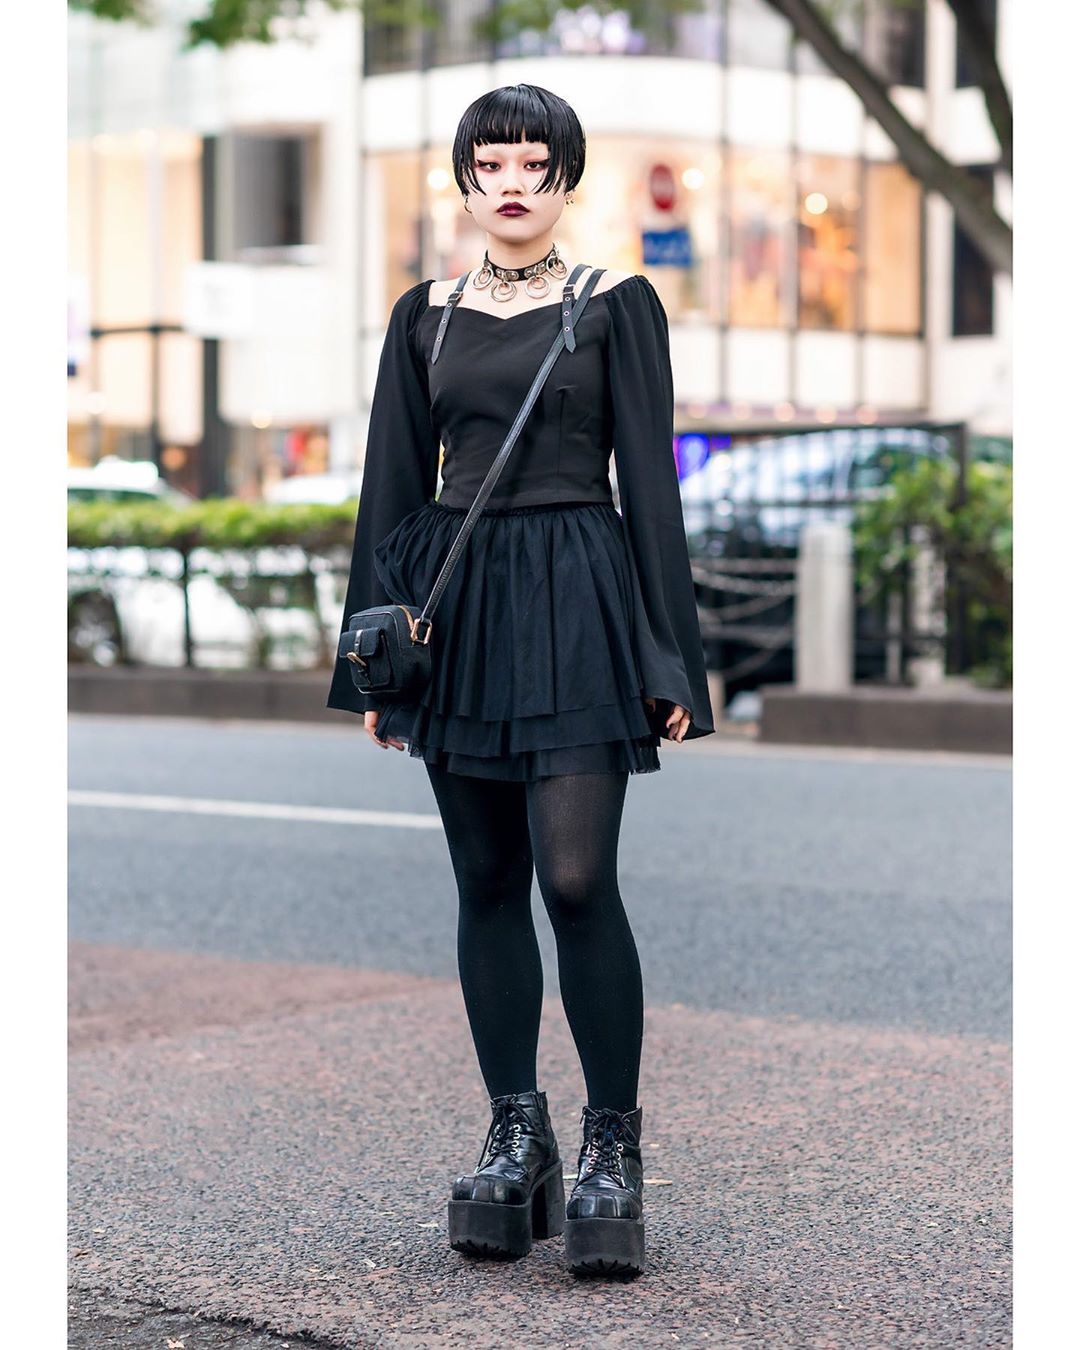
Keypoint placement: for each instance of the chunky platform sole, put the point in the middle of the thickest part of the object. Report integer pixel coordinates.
(506, 1232)
(605, 1246)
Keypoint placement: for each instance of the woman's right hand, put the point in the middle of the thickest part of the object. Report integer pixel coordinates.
(370, 720)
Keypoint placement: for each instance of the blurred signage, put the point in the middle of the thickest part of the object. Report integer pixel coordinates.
(694, 449)
(662, 186)
(667, 248)
(691, 454)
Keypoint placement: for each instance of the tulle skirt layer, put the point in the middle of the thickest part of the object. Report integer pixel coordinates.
(533, 667)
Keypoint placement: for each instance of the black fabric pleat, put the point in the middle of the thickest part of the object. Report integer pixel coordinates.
(533, 656)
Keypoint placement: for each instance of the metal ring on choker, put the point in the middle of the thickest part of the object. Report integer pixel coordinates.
(536, 282)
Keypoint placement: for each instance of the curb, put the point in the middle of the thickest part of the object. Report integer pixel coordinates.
(178, 691)
(969, 720)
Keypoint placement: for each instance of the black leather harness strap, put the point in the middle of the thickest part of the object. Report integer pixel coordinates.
(455, 296)
(569, 314)
(448, 309)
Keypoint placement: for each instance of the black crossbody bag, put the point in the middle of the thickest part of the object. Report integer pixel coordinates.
(388, 647)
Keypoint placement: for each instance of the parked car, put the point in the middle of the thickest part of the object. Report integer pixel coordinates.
(329, 488)
(114, 479)
(746, 498)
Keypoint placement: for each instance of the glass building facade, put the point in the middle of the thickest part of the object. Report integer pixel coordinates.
(134, 385)
(784, 253)
(890, 34)
(778, 239)
(140, 207)
(793, 252)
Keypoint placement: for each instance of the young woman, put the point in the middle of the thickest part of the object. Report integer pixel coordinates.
(568, 644)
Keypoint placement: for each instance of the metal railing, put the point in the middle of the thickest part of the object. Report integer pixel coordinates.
(747, 497)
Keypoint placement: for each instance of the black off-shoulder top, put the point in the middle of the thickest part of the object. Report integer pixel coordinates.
(613, 393)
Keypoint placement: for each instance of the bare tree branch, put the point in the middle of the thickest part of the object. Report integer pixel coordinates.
(974, 33)
(970, 200)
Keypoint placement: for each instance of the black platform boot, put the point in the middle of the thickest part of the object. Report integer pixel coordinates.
(516, 1193)
(605, 1230)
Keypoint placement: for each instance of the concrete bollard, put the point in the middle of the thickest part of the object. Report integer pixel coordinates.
(717, 695)
(824, 609)
(927, 670)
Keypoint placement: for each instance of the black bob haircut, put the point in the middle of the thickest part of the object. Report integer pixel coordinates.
(521, 112)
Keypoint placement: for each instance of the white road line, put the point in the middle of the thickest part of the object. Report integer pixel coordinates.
(214, 806)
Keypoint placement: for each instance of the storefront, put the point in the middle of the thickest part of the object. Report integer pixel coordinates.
(733, 237)
(141, 384)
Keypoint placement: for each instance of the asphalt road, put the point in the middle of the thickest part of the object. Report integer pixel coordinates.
(825, 943)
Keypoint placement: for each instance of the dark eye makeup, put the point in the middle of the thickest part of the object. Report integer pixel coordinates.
(540, 163)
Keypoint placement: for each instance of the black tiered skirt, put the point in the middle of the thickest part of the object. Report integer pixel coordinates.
(533, 667)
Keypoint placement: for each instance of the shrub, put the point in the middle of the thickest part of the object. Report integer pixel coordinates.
(970, 531)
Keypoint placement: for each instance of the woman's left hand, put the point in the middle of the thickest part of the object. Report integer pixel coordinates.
(678, 720)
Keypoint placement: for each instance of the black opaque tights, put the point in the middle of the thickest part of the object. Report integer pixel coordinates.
(567, 827)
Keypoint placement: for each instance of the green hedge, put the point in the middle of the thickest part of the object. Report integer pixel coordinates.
(218, 523)
(974, 536)
(224, 526)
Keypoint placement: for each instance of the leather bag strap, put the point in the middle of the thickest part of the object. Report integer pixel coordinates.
(448, 309)
(570, 311)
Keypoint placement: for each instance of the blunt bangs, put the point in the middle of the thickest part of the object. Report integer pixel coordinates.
(515, 113)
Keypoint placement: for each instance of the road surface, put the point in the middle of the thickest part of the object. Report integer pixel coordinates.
(272, 1083)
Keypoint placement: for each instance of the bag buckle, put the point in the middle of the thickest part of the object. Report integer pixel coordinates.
(366, 641)
(414, 625)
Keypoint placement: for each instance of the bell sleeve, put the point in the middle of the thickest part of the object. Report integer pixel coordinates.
(667, 637)
(400, 472)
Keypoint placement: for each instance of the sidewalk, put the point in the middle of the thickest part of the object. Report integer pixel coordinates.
(269, 1145)
(970, 722)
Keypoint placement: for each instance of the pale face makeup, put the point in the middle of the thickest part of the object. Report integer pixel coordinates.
(512, 174)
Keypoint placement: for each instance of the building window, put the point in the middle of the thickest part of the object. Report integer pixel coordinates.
(588, 32)
(973, 277)
(181, 219)
(135, 212)
(964, 74)
(894, 40)
(274, 195)
(123, 264)
(454, 40)
(123, 366)
(759, 189)
(390, 47)
(889, 34)
(422, 230)
(837, 229)
(394, 192)
(585, 31)
(893, 232)
(828, 206)
(757, 36)
(700, 34)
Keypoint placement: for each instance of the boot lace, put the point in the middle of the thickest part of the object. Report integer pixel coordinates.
(508, 1119)
(603, 1145)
